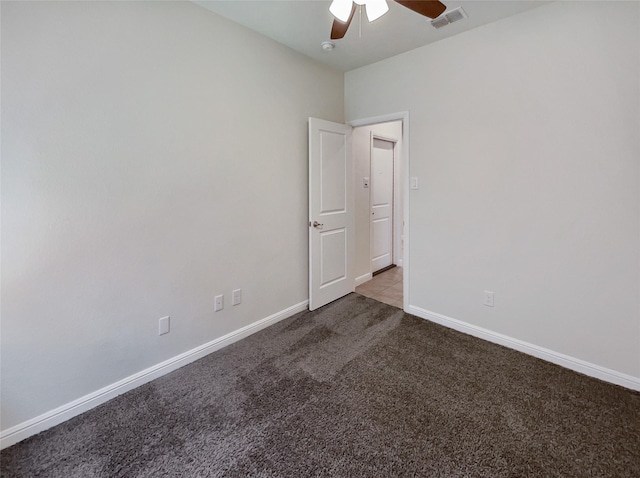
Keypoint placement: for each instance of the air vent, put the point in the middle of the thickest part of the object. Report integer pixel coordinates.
(455, 15)
(449, 17)
(440, 22)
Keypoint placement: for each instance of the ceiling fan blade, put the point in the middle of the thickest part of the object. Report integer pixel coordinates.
(428, 8)
(339, 29)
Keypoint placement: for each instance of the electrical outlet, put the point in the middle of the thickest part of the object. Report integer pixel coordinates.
(163, 325)
(237, 297)
(488, 298)
(219, 303)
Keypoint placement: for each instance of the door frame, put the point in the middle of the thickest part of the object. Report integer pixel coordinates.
(403, 164)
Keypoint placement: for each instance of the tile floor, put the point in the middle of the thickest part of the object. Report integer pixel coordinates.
(385, 287)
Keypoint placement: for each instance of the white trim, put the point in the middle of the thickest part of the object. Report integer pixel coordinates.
(557, 358)
(388, 139)
(369, 192)
(65, 412)
(379, 119)
(363, 278)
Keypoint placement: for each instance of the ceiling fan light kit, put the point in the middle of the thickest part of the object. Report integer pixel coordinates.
(343, 11)
(375, 9)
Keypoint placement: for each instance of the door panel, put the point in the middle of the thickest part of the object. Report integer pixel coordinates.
(333, 251)
(333, 166)
(381, 204)
(331, 220)
(381, 245)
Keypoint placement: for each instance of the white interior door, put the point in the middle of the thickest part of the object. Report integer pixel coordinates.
(331, 218)
(381, 204)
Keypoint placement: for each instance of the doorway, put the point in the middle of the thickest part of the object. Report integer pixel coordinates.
(347, 260)
(379, 211)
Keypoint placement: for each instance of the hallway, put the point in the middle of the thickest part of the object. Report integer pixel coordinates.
(385, 287)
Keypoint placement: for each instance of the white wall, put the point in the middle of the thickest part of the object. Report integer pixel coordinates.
(525, 134)
(362, 160)
(153, 155)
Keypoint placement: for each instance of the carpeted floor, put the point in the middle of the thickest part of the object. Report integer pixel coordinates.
(357, 388)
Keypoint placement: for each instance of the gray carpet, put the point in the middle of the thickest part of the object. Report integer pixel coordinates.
(357, 388)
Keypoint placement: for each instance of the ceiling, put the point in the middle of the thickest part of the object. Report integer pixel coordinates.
(304, 24)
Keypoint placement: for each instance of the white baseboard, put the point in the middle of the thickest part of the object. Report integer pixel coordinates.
(65, 412)
(363, 278)
(557, 358)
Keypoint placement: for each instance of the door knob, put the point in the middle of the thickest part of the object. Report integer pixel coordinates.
(317, 224)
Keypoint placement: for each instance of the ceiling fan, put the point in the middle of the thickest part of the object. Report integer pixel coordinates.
(343, 11)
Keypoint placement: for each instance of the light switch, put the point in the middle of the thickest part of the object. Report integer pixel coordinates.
(365, 182)
(414, 182)
(236, 297)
